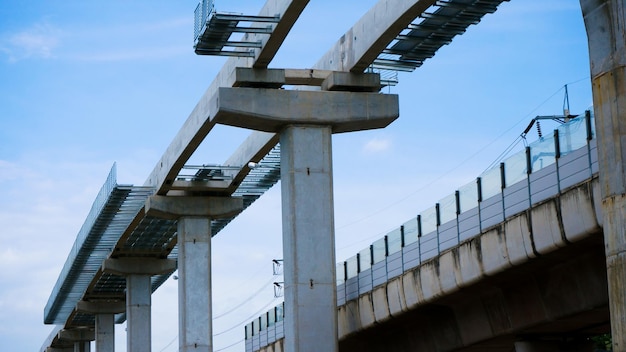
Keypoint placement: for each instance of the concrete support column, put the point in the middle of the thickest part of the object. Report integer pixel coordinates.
(80, 338)
(308, 239)
(194, 284)
(605, 21)
(138, 313)
(82, 346)
(105, 333)
(104, 313)
(194, 216)
(138, 273)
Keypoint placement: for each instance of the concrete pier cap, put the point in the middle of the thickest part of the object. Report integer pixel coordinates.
(101, 307)
(138, 266)
(175, 207)
(269, 110)
(77, 335)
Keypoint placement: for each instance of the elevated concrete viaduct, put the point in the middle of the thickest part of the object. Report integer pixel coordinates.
(541, 285)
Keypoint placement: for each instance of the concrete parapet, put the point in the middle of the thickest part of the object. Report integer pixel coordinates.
(411, 286)
(578, 213)
(380, 304)
(429, 281)
(367, 318)
(546, 227)
(470, 262)
(395, 296)
(349, 318)
(449, 272)
(519, 242)
(494, 251)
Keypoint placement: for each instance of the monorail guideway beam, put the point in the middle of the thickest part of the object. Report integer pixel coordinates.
(605, 21)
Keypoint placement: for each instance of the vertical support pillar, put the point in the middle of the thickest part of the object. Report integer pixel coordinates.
(138, 272)
(105, 332)
(605, 21)
(138, 312)
(308, 239)
(82, 346)
(194, 284)
(104, 314)
(194, 216)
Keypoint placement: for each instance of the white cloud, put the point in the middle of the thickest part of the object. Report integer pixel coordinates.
(377, 145)
(38, 41)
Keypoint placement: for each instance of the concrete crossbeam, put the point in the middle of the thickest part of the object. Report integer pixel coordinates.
(75, 335)
(107, 307)
(176, 207)
(269, 109)
(326, 79)
(138, 266)
(352, 82)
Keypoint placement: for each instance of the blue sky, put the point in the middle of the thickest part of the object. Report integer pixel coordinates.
(85, 84)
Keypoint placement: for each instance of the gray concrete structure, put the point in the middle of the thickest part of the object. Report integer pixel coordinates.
(308, 239)
(490, 291)
(194, 214)
(200, 121)
(138, 272)
(80, 338)
(305, 121)
(104, 313)
(355, 51)
(604, 21)
(105, 332)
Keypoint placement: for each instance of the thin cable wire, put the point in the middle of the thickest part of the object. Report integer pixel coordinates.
(504, 154)
(409, 195)
(229, 346)
(169, 344)
(246, 300)
(254, 315)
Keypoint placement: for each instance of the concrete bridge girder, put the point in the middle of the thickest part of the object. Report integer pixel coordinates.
(488, 290)
(496, 310)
